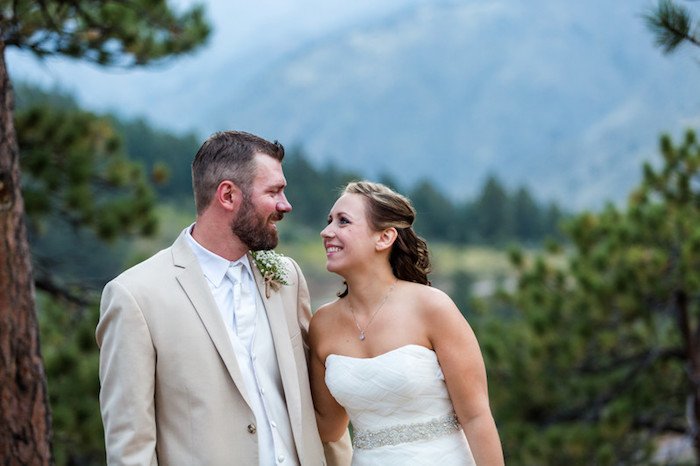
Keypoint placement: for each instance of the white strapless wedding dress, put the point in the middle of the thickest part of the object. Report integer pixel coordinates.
(399, 408)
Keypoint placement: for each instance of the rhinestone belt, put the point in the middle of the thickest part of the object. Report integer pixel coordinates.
(404, 433)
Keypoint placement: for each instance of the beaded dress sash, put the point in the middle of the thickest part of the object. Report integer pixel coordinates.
(405, 433)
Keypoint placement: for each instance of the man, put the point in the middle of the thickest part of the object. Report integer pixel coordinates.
(202, 359)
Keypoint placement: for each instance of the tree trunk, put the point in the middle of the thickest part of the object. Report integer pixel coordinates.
(692, 349)
(25, 419)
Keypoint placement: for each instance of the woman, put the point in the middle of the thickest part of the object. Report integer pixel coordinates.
(392, 354)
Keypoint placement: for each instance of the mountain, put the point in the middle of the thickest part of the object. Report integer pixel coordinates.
(567, 98)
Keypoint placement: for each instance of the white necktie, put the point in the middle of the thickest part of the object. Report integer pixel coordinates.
(243, 304)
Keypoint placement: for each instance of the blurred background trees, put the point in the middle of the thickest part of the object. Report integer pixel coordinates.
(601, 363)
(65, 176)
(601, 360)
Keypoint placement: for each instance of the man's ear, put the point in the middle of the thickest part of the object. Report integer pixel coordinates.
(228, 195)
(386, 239)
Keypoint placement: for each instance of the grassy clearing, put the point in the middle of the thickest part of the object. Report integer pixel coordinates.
(479, 261)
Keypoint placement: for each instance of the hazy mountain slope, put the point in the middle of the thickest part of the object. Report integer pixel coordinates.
(564, 97)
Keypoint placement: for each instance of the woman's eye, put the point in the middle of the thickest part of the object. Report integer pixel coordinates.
(343, 221)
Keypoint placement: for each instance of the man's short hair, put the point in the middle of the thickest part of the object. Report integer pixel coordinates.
(228, 155)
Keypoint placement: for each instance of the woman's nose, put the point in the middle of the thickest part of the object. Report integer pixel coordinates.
(326, 232)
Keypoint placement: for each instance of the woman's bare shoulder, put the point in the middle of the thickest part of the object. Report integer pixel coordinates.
(432, 307)
(324, 327)
(428, 297)
(327, 310)
(324, 316)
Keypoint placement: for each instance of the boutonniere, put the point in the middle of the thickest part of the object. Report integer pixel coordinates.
(269, 263)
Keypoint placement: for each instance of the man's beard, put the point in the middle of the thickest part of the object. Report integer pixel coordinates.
(252, 230)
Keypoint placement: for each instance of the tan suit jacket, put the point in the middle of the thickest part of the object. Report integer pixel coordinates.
(172, 392)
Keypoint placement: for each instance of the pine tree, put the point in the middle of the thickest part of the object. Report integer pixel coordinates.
(493, 212)
(671, 23)
(526, 217)
(602, 357)
(435, 212)
(108, 32)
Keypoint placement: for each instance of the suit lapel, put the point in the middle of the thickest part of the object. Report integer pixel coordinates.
(279, 328)
(193, 283)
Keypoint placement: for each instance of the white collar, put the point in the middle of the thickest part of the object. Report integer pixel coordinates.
(213, 265)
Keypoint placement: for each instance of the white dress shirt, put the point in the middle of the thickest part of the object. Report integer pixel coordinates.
(256, 358)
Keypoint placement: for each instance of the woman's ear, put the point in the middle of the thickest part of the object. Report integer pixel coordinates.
(386, 239)
(228, 195)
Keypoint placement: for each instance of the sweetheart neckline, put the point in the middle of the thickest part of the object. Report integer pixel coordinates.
(381, 354)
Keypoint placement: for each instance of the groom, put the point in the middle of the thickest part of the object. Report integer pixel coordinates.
(202, 358)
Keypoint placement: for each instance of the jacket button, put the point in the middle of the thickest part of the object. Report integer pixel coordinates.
(251, 428)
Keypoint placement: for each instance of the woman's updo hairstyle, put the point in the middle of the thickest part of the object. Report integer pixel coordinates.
(385, 209)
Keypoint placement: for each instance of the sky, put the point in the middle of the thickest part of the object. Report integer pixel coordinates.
(264, 30)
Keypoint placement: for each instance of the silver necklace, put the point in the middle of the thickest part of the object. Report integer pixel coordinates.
(352, 311)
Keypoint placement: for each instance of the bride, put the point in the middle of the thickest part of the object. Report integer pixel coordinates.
(393, 355)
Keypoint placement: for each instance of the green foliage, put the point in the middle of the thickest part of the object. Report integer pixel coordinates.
(462, 294)
(594, 367)
(71, 364)
(435, 214)
(166, 156)
(56, 225)
(312, 191)
(75, 260)
(107, 32)
(670, 23)
(28, 95)
(527, 221)
(73, 166)
(496, 216)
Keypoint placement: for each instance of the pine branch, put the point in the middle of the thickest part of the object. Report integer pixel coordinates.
(48, 284)
(621, 362)
(670, 23)
(671, 425)
(591, 410)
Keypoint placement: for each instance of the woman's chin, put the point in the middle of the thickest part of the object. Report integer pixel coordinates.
(332, 267)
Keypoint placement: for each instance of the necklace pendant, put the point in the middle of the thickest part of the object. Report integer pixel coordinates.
(362, 336)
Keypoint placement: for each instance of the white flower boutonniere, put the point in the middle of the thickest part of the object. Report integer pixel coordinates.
(269, 263)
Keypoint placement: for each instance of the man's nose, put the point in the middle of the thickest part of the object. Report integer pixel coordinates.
(283, 205)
